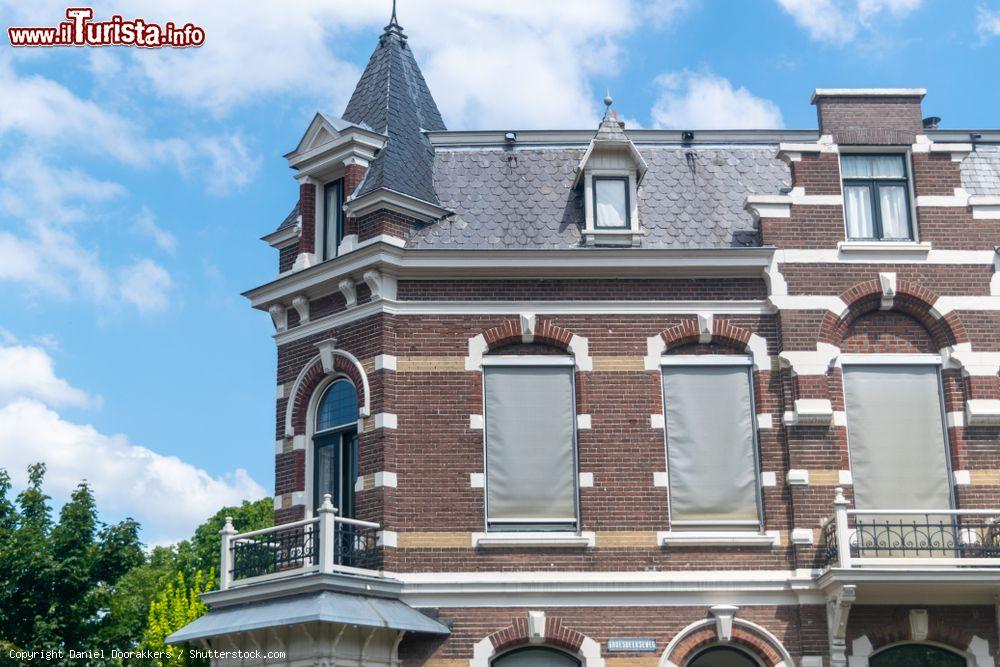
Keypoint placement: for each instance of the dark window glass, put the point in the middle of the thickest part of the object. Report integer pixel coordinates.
(876, 199)
(916, 655)
(536, 657)
(333, 227)
(339, 406)
(723, 656)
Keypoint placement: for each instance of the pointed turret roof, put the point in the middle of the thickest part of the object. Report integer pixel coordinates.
(392, 98)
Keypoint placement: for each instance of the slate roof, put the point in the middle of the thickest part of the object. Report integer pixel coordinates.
(291, 217)
(523, 197)
(981, 171)
(392, 98)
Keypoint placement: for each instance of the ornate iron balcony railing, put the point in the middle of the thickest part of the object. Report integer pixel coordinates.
(858, 538)
(326, 543)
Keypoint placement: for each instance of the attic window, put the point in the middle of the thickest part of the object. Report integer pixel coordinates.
(611, 202)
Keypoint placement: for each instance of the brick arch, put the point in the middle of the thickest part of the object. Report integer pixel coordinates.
(513, 331)
(896, 630)
(744, 637)
(723, 333)
(557, 635)
(554, 635)
(910, 298)
(311, 378)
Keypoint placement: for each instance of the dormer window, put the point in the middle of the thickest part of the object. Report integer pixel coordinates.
(611, 202)
(876, 197)
(609, 176)
(333, 217)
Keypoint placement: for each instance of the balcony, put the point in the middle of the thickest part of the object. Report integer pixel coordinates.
(325, 544)
(905, 555)
(277, 584)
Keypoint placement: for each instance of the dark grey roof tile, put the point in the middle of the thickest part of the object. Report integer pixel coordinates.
(523, 197)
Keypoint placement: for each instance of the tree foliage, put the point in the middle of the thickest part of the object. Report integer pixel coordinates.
(60, 577)
(76, 583)
(171, 609)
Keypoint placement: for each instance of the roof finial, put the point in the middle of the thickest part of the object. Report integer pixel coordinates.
(393, 28)
(607, 96)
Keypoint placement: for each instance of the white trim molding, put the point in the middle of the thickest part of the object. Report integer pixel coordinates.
(809, 362)
(325, 357)
(720, 538)
(809, 412)
(527, 539)
(786, 658)
(982, 412)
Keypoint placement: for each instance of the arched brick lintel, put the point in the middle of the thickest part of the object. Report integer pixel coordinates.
(555, 635)
(514, 331)
(310, 377)
(910, 298)
(746, 635)
(723, 332)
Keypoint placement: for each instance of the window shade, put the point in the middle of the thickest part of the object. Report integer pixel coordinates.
(710, 444)
(896, 437)
(530, 449)
(611, 202)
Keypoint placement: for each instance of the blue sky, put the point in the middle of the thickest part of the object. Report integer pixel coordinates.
(134, 185)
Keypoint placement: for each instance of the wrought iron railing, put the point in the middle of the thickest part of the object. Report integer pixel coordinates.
(326, 543)
(854, 538)
(290, 547)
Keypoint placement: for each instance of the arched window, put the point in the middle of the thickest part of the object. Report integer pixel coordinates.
(916, 655)
(338, 408)
(536, 656)
(723, 656)
(335, 447)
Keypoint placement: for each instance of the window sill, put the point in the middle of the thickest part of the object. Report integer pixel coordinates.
(582, 540)
(718, 538)
(628, 236)
(875, 247)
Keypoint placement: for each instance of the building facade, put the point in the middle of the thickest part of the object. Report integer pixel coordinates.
(628, 398)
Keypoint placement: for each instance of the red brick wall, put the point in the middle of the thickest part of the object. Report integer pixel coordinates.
(868, 120)
(307, 209)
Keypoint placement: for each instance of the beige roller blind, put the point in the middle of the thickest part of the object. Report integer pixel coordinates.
(530, 445)
(896, 437)
(710, 444)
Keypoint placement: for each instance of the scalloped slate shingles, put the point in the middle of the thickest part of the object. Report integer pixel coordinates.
(981, 171)
(523, 198)
(392, 98)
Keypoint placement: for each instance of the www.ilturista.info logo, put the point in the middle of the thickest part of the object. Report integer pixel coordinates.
(80, 30)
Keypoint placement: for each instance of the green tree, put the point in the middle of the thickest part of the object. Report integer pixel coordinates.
(173, 608)
(57, 578)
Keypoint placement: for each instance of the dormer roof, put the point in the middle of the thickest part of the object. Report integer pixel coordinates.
(610, 137)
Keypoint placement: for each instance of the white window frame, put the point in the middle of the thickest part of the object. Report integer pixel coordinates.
(736, 527)
(544, 361)
(597, 235)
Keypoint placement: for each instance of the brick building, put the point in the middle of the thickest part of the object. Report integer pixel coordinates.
(629, 398)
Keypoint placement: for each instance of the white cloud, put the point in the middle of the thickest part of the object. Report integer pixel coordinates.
(51, 114)
(701, 100)
(28, 371)
(169, 496)
(145, 223)
(146, 285)
(667, 12)
(987, 23)
(841, 21)
(519, 63)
